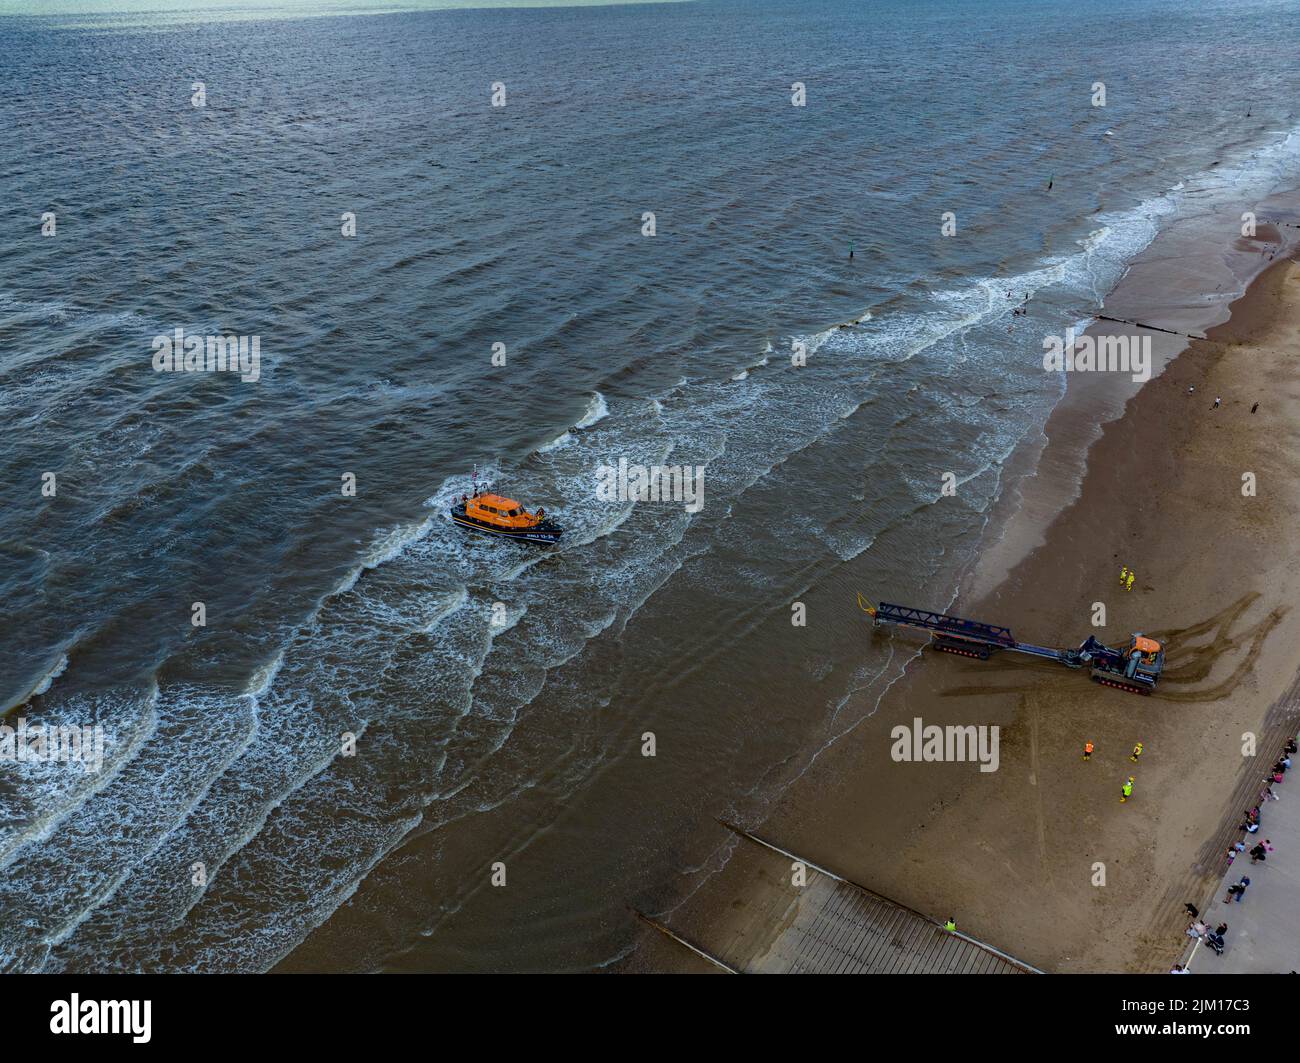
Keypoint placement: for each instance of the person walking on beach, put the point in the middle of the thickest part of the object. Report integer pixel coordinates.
(1123, 575)
(1137, 752)
(951, 925)
(1087, 750)
(1236, 892)
(1254, 408)
(1217, 402)
(1191, 909)
(1126, 791)
(1128, 584)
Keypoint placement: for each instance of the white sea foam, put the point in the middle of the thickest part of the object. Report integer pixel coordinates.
(597, 410)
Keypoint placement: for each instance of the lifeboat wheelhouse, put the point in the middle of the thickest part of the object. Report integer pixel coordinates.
(504, 518)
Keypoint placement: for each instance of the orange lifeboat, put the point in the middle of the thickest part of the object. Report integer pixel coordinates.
(505, 518)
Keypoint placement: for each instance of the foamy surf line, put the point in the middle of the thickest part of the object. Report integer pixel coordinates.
(597, 410)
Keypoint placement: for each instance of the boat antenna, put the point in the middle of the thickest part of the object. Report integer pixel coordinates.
(474, 483)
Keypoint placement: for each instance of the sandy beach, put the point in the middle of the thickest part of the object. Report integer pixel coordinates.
(1040, 858)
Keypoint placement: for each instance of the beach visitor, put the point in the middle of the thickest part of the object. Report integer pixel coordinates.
(1123, 575)
(1128, 585)
(1191, 909)
(951, 925)
(1178, 968)
(1137, 752)
(1087, 750)
(1254, 408)
(1126, 790)
(1257, 854)
(1217, 401)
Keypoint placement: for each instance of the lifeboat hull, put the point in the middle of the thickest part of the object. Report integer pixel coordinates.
(544, 534)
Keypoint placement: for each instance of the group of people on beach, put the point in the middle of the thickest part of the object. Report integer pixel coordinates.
(1126, 790)
(1126, 578)
(1258, 854)
(1218, 400)
(1213, 938)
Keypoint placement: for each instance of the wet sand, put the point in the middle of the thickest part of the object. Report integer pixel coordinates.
(1040, 858)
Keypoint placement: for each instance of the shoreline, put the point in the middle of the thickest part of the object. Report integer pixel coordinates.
(977, 846)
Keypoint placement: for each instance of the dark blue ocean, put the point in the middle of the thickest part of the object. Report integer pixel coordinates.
(227, 828)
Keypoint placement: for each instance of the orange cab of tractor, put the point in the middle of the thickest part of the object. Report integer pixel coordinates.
(1146, 659)
(1148, 647)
